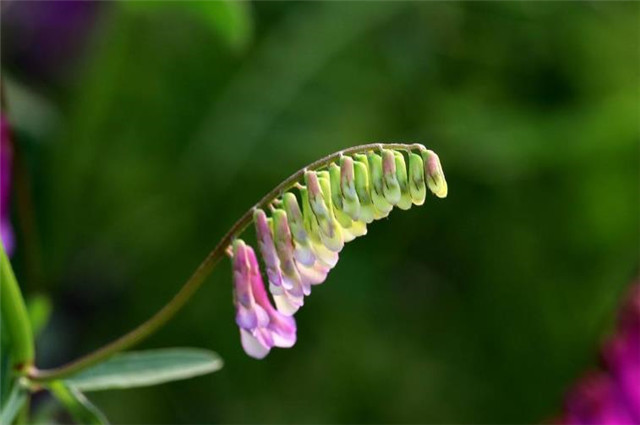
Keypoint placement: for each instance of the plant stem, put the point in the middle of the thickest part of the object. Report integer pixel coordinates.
(201, 273)
(14, 317)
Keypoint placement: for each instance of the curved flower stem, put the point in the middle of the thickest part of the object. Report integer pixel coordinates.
(204, 269)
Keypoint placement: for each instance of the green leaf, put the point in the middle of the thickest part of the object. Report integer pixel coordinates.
(5, 364)
(39, 309)
(15, 320)
(144, 368)
(230, 20)
(78, 406)
(13, 405)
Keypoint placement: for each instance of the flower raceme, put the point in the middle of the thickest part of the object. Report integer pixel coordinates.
(301, 237)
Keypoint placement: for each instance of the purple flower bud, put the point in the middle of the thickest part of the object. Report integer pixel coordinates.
(6, 160)
(267, 248)
(261, 325)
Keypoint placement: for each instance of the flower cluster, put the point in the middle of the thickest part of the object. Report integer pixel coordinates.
(611, 396)
(299, 241)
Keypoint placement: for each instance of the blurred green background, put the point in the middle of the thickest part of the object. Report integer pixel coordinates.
(147, 128)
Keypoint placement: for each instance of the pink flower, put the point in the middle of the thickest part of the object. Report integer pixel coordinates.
(612, 396)
(261, 325)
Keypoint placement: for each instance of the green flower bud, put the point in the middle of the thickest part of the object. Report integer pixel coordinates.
(284, 248)
(336, 197)
(318, 205)
(321, 206)
(390, 186)
(434, 174)
(403, 181)
(382, 206)
(301, 242)
(325, 185)
(309, 219)
(351, 203)
(361, 173)
(417, 186)
(336, 191)
(323, 255)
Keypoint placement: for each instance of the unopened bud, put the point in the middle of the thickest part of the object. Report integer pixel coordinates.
(434, 175)
(390, 186)
(382, 206)
(403, 181)
(417, 186)
(351, 203)
(361, 169)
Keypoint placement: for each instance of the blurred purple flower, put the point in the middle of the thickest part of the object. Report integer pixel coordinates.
(261, 325)
(612, 396)
(43, 39)
(6, 160)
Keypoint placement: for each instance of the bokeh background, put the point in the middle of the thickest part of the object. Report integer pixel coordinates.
(144, 129)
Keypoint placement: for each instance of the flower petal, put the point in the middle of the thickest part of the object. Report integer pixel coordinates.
(283, 331)
(288, 304)
(252, 346)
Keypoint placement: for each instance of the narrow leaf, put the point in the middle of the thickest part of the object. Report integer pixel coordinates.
(78, 406)
(5, 365)
(145, 368)
(15, 320)
(13, 405)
